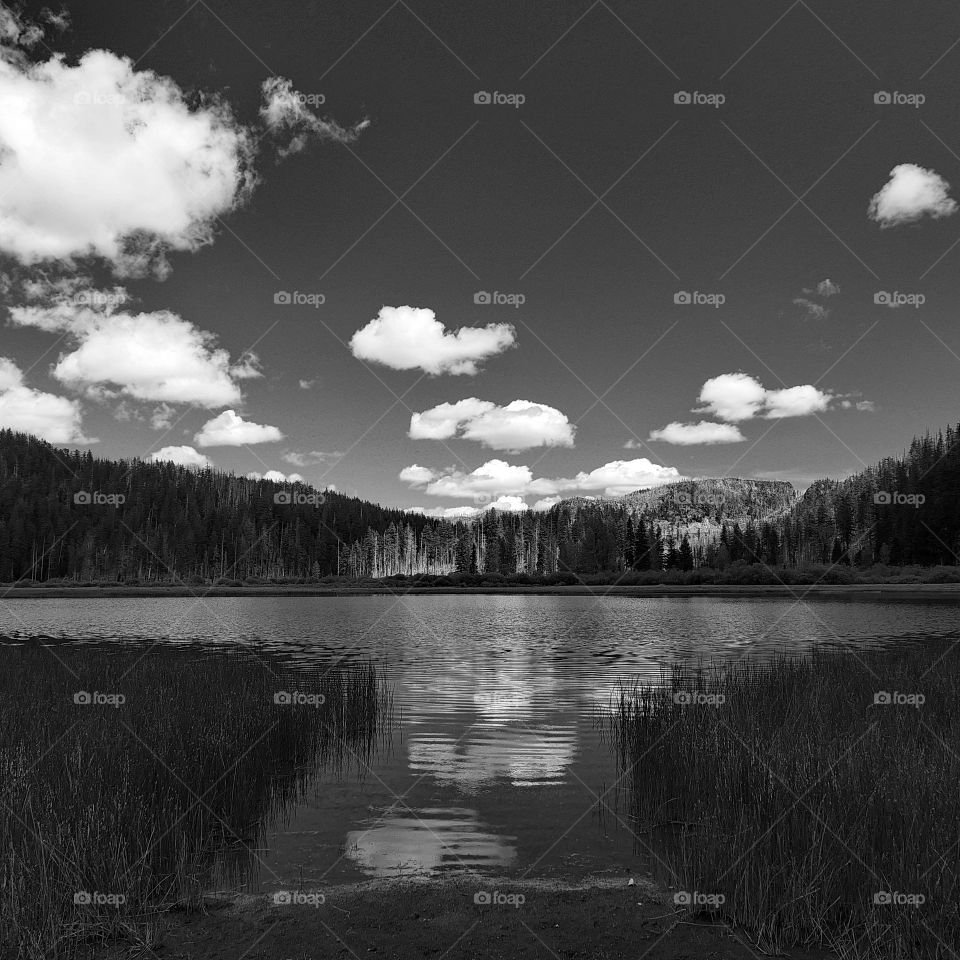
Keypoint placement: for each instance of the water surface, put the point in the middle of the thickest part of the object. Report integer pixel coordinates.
(496, 764)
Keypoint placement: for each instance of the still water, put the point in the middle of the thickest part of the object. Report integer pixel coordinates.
(495, 763)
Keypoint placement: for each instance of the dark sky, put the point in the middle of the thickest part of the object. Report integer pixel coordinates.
(597, 199)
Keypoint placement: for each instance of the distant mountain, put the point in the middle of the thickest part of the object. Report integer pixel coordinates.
(699, 509)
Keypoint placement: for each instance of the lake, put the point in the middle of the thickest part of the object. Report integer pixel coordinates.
(495, 763)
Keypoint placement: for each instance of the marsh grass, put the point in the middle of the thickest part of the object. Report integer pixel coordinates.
(803, 803)
(161, 797)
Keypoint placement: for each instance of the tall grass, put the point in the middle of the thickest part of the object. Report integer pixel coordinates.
(149, 803)
(797, 805)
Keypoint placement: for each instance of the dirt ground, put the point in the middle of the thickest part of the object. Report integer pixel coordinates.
(599, 918)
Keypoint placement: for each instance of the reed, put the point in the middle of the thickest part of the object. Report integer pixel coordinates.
(811, 801)
(130, 783)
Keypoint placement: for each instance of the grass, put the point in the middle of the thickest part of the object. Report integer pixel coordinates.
(797, 806)
(110, 814)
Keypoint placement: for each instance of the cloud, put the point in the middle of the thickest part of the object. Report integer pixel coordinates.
(866, 406)
(827, 288)
(286, 110)
(52, 418)
(705, 432)
(447, 513)
(814, 311)
(276, 476)
(520, 425)
(795, 402)
(736, 396)
(408, 338)
(911, 193)
(155, 356)
(184, 456)
(307, 384)
(103, 160)
(732, 397)
(312, 458)
(100, 159)
(497, 478)
(230, 430)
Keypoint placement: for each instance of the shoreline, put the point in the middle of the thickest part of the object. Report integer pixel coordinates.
(912, 592)
(414, 917)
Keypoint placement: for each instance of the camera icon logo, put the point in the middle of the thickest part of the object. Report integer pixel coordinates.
(882, 97)
(482, 897)
(83, 698)
(283, 497)
(283, 698)
(682, 96)
(682, 297)
(882, 298)
(882, 498)
(82, 98)
(282, 297)
(282, 898)
(482, 97)
(82, 898)
(482, 297)
(82, 497)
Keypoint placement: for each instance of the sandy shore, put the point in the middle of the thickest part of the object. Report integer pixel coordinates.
(600, 917)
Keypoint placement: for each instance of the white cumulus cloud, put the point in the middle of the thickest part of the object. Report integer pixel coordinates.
(100, 159)
(737, 396)
(911, 193)
(497, 478)
(705, 432)
(155, 356)
(184, 456)
(52, 418)
(231, 430)
(276, 476)
(410, 338)
(520, 425)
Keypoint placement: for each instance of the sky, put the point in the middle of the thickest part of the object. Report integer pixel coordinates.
(445, 256)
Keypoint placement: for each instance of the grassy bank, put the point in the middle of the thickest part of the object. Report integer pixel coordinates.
(129, 783)
(811, 802)
(742, 574)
